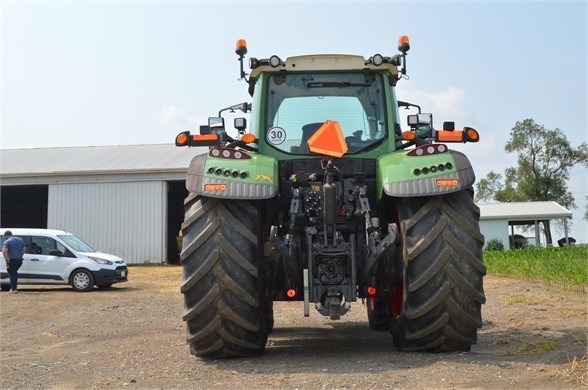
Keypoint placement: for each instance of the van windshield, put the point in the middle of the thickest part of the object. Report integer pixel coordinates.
(76, 244)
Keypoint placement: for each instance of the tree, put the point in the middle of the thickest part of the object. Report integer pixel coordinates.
(545, 158)
(488, 186)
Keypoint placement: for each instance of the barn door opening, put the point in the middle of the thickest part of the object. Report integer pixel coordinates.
(176, 193)
(24, 206)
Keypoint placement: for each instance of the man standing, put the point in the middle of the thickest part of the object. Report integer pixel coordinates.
(13, 250)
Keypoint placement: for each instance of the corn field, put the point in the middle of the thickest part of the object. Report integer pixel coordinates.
(567, 266)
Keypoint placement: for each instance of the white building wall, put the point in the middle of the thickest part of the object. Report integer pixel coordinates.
(495, 229)
(126, 219)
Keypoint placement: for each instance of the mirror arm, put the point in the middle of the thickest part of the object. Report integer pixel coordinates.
(245, 107)
(241, 144)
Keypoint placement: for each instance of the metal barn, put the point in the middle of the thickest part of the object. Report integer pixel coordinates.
(125, 200)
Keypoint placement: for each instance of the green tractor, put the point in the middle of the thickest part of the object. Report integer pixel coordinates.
(323, 199)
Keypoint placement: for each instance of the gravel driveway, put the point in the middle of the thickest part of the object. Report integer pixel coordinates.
(131, 336)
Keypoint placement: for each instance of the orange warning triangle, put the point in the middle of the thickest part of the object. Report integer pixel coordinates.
(328, 140)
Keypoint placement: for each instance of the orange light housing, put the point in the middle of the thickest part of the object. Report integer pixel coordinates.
(449, 136)
(471, 134)
(291, 293)
(241, 47)
(371, 290)
(215, 187)
(403, 44)
(183, 138)
(408, 135)
(447, 183)
(248, 138)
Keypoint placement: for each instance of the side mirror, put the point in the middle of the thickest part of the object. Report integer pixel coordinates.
(422, 124)
(55, 252)
(216, 124)
(240, 124)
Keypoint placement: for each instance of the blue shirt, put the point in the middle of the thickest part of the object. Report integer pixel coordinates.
(14, 245)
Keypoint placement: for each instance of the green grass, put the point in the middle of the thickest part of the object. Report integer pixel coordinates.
(566, 266)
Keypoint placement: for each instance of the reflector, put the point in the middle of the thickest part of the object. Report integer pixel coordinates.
(215, 187)
(291, 293)
(371, 290)
(182, 138)
(248, 138)
(408, 135)
(204, 140)
(449, 136)
(471, 134)
(447, 183)
(328, 140)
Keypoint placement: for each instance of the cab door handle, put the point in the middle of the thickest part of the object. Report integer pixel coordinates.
(34, 259)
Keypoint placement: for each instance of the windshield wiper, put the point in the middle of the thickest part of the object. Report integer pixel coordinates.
(331, 84)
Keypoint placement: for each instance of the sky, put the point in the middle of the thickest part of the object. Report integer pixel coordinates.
(89, 73)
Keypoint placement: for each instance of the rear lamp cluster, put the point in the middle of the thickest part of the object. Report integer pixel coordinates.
(228, 173)
(428, 150)
(432, 169)
(228, 153)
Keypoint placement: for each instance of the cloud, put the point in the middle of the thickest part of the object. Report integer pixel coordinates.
(448, 105)
(177, 117)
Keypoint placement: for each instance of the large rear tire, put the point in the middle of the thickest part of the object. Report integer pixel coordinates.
(442, 289)
(224, 307)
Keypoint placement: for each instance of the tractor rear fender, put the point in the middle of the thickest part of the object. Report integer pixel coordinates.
(254, 177)
(401, 175)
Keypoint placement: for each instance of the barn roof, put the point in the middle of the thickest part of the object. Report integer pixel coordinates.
(523, 211)
(95, 160)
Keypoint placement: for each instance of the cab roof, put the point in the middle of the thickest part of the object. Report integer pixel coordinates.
(322, 62)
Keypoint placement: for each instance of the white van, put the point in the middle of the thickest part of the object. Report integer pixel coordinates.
(58, 257)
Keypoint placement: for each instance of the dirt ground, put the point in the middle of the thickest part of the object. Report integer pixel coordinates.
(132, 336)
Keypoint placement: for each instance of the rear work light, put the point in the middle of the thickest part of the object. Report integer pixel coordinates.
(228, 153)
(427, 150)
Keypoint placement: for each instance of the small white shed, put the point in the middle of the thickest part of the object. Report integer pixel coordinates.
(497, 220)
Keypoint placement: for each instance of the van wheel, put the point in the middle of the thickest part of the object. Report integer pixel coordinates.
(82, 280)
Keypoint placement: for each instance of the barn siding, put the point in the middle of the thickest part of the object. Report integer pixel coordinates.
(126, 219)
(495, 229)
